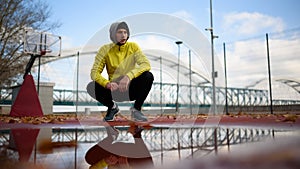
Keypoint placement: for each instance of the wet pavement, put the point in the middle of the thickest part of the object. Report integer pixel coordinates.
(214, 142)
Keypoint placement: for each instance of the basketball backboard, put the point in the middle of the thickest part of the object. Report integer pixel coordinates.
(41, 43)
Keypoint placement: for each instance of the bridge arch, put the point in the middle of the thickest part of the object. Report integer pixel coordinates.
(173, 28)
(282, 88)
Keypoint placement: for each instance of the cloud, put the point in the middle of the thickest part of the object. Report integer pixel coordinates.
(154, 42)
(67, 42)
(185, 16)
(247, 60)
(60, 72)
(245, 23)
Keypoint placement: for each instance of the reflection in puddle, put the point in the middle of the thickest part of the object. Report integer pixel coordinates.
(68, 148)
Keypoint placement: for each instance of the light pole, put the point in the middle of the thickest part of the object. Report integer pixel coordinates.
(177, 92)
(226, 88)
(213, 74)
(269, 73)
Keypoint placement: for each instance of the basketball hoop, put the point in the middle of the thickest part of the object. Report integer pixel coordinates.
(41, 43)
(38, 44)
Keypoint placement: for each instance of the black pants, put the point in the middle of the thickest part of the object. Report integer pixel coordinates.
(139, 89)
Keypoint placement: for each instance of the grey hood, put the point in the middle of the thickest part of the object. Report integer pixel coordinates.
(113, 30)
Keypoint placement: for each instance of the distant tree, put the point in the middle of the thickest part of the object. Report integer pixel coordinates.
(15, 16)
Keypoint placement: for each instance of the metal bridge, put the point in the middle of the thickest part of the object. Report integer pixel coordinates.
(199, 93)
(164, 94)
(159, 139)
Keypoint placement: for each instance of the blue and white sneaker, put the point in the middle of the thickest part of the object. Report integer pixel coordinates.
(137, 115)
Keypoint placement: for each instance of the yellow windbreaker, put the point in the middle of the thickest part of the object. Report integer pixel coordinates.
(127, 59)
(100, 165)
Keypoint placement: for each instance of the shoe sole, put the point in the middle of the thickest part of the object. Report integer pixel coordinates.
(113, 117)
(140, 120)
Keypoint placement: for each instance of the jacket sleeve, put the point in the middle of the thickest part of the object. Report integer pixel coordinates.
(98, 67)
(100, 165)
(142, 63)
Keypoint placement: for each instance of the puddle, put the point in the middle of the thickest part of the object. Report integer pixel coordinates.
(159, 147)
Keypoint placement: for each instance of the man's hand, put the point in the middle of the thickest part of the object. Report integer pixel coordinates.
(124, 83)
(111, 160)
(123, 162)
(112, 86)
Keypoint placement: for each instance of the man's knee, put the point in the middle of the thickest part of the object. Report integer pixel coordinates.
(148, 76)
(91, 89)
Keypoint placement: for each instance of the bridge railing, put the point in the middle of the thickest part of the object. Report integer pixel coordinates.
(165, 94)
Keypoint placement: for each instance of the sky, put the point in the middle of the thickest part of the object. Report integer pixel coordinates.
(81, 19)
(241, 24)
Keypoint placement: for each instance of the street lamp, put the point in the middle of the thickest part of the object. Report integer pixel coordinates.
(177, 92)
(214, 74)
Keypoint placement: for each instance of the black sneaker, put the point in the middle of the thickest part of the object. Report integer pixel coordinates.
(137, 115)
(110, 113)
(112, 132)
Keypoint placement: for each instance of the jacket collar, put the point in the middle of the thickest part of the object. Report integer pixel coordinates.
(121, 47)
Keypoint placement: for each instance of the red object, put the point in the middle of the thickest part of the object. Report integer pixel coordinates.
(24, 140)
(27, 102)
(43, 52)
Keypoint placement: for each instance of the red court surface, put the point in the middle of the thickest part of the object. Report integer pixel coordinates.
(246, 120)
(277, 152)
